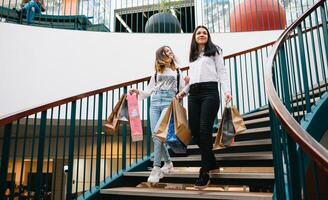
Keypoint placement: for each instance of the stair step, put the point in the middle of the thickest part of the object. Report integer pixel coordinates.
(252, 130)
(257, 122)
(225, 159)
(254, 134)
(226, 169)
(185, 194)
(256, 114)
(239, 146)
(242, 143)
(264, 155)
(259, 177)
(300, 104)
(256, 130)
(314, 93)
(191, 174)
(245, 169)
(249, 134)
(188, 186)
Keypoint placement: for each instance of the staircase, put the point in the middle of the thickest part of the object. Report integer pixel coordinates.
(246, 170)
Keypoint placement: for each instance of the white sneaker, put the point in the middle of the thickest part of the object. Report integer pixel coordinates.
(155, 175)
(167, 168)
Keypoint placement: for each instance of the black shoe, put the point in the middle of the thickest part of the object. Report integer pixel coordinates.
(203, 181)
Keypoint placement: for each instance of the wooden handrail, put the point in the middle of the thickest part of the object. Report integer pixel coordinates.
(5, 119)
(314, 149)
(249, 50)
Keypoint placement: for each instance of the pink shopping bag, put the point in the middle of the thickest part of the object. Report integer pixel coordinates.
(134, 117)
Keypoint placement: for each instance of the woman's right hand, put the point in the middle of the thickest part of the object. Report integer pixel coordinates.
(134, 91)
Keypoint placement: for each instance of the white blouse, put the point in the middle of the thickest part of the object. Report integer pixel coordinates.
(208, 69)
(165, 81)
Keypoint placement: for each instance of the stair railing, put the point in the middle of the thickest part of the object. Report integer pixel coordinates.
(296, 79)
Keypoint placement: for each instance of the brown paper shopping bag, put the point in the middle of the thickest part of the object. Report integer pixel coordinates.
(180, 122)
(226, 132)
(113, 122)
(237, 120)
(162, 129)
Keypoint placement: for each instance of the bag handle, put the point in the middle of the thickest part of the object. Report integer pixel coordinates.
(229, 104)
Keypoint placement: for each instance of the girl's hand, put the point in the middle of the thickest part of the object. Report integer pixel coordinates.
(228, 97)
(180, 95)
(134, 91)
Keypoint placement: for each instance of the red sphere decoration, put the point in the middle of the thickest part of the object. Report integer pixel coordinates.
(257, 15)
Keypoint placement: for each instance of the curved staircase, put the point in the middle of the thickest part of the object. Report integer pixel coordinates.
(246, 170)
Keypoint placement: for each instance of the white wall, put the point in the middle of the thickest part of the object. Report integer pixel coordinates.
(39, 65)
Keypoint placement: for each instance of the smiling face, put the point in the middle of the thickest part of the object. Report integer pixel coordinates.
(168, 52)
(201, 36)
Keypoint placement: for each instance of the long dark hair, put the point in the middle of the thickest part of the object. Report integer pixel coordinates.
(162, 60)
(210, 47)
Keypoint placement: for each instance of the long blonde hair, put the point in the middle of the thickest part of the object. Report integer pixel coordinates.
(162, 60)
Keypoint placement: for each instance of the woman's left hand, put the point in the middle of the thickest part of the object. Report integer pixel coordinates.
(186, 80)
(228, 97)
(180, 95)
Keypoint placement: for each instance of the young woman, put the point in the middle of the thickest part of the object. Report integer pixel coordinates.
(163, 87)
(206, 71)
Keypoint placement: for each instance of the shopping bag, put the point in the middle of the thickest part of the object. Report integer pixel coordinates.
(134, 118)
(161, 128)
(124, 113)
(237, 120)
(180, 122)
(172, 140)
(226, 133)
(112, 122)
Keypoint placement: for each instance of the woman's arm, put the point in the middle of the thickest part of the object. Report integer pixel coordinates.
(223, 75)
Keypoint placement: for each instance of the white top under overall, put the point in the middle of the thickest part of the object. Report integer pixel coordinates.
(208, 69)
(165, 81)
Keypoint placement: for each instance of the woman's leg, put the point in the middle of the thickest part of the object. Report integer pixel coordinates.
(203, 104)
(194, 116)
(209, 109)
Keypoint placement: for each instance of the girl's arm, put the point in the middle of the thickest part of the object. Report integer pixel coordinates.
(143, 94)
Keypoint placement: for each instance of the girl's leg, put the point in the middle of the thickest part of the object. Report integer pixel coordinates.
(164, 151)
(154, 117)
(166, 99)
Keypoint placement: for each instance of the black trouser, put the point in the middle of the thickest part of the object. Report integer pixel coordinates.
(203, 106)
